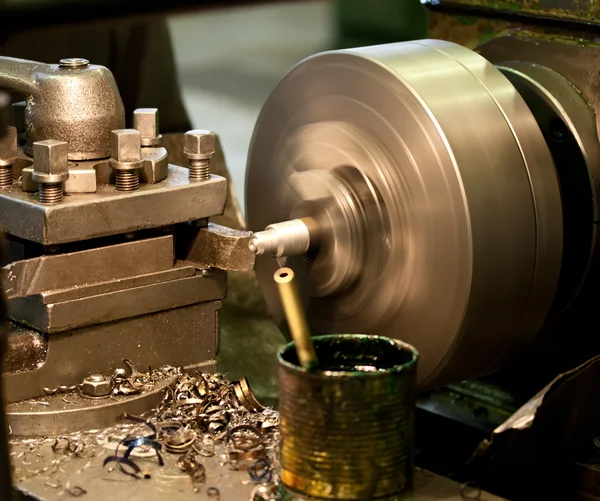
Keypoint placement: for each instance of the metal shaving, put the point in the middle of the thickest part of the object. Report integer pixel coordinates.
(60, 389)
(202, 410)
(200, 416)
(130, 381)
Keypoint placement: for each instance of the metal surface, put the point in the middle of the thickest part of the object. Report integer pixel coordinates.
(220, 247)
(116, 284)
(568, 124)
(296, 319)
(50, 164)
(572, 99)
(448, 203)
(6, 486)
(350, 435)
(199, 146)
(72, 413)
(569, 56)
(73, 62)
(79, 105)
(346, 209)
(81, 180)
(119, 304)
(126, 160)
(96, 385)
(156, 165)
(101, 484)
(180, 337)
(288, 238)
(108, 212)
(50, 169)
(84, 291)
(35, 276)
(146, 121)
(94, 301)
(85, 176)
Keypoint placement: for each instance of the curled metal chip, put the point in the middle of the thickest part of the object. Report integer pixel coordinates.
(246, 396)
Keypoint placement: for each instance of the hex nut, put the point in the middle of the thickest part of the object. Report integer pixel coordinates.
(96, 385)
(145, 120)
(199, 144)
(50, 164)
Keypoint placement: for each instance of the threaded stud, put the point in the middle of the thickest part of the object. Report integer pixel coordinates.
(199, 169)
(127, 180)
(6, 176)
(51, 193)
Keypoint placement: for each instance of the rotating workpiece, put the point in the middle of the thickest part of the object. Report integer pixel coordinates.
(413, 192)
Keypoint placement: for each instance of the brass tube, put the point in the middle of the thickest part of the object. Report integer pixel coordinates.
(292, 305)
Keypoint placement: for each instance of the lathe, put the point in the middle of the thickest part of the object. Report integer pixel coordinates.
(440, 191)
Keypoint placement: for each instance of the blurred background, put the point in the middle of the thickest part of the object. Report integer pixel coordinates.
(229, 60)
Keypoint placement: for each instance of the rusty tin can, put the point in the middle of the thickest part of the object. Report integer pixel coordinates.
(347, 430)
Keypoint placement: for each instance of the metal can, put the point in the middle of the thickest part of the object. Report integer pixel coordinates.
(347, 430)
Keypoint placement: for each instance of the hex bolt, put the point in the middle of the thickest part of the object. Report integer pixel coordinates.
(96, 385)
(126, 161)
(8, 156)
(50, 169)
(199, 148)
(145, 120)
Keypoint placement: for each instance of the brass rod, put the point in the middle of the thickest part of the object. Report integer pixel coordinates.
(292, 306)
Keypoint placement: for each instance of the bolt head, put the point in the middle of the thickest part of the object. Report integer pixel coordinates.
(8, 147)
(145, 120)
(96, 385)
(199, 144)
(50, 157)
(126, 145)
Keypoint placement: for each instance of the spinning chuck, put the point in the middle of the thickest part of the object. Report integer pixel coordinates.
(411, 190)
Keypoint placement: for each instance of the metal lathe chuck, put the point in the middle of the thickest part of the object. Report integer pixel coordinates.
(423, 200)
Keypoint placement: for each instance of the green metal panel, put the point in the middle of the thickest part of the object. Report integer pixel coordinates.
(586, 11)
(362, 22)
